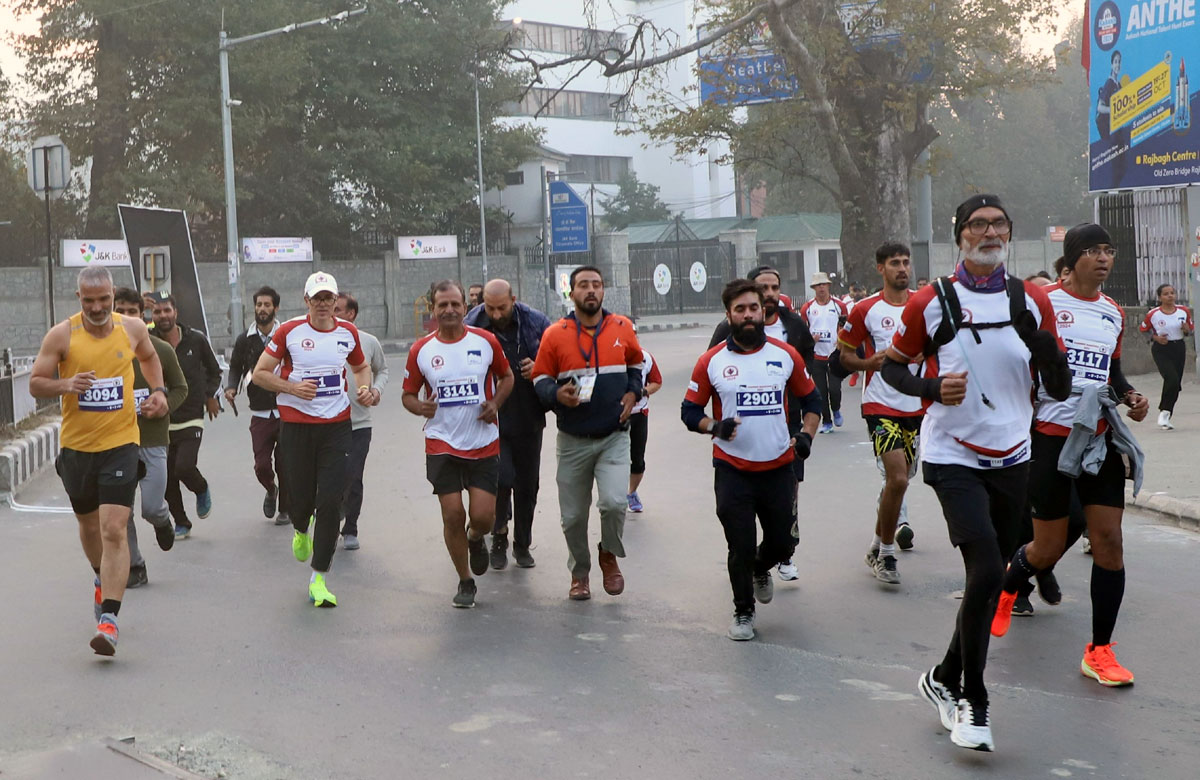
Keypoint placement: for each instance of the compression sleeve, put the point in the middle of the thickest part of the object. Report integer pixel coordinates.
(691, 413)
(898, 376)
(1117, 379)
(1056, 376)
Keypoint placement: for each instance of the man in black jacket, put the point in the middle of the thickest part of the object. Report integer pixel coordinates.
(264, 416)
(203, 374)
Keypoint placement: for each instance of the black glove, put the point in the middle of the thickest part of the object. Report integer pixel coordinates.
(1043, 347)
(803, 445)
(1025, 325)
(724, 429)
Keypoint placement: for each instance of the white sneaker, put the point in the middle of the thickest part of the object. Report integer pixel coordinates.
(1164, 418)
(788, 571)
(1087, 546)
(742, 628)
(972, 727)
(940, 697)
(1167, 424)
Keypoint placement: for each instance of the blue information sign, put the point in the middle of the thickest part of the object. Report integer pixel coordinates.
(568, 220)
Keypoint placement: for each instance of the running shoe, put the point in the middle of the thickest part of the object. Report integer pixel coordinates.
(904, 537)
(635, 503)
(1022, 607)
(165, 536)
(318, 594)
(872, 557)
(1101, 665)
(764, 588)
(99, 600)
(283, 518)
(465, 597)
(182, 532)
(350, 542)
(973, 726)
(941, 697)
(302, 545)
(479, 555)
(1003, 617)
(269, 503)
(1047, 586)
(204, 504)
(788, 571)
(885, 570)
(499, 556)
(1164, 417)
(137, 577)
(1168, 425)
(838, 420)
(825, 428)
(522, 557)
(105, 640)
(854, 379)
(742, 627)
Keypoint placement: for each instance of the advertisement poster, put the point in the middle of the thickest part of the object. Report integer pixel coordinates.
(277, 250)
(426, 247)
(81, 252)
(1138, 57)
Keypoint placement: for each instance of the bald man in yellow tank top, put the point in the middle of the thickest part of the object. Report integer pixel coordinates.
(93, 353)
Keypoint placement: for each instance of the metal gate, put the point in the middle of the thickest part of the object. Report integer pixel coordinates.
(1149, 229)
(679, 276)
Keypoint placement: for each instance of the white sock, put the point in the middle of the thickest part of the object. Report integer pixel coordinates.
(875, 544)
(887, 549)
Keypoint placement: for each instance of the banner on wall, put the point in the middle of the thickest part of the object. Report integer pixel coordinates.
(277, 250)
(79, 252)
(1140, 128)
(426, 247)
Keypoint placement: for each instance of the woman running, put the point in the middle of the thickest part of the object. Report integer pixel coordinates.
(1167, 325)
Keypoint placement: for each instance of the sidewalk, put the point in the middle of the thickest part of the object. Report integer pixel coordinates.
(1172, 482)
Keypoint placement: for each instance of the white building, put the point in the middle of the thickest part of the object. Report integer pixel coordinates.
(582, 143)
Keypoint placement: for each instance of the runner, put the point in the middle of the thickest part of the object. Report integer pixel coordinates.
(1065, 450)
(92, 352)
(639, 429)
(893, 419)
(154, 439)
(346, 308)
(465, 378)
(824, 316)
(765, 410)
(264, 413)
(975, 435)
(311, 353)
(588, 370)
(1168, 326)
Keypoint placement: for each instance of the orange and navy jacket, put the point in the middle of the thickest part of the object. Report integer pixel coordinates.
(610, 351)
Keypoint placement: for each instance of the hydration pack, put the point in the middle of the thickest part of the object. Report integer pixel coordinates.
(1018, 313)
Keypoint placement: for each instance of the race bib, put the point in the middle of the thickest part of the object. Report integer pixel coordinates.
(759, 401)
(586, 385)
(140, 394)
(458, 392)
(105, 395)
(328, 379)
(823, 336)
(1088, 359)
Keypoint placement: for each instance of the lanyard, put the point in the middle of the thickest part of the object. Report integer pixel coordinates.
(587, 356)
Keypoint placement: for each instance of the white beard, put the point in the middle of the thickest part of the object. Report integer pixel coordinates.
(101, 323)
(987, 257)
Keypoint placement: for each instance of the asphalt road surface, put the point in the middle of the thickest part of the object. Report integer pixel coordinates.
(224, 667)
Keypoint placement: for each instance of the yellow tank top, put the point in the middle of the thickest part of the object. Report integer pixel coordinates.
(104, 417)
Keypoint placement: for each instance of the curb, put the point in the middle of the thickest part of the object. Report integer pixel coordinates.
(22, 459)
(1185, 514)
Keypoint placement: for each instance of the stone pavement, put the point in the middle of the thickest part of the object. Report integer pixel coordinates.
(1172, 483)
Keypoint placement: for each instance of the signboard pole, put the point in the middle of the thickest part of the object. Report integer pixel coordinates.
(231, 226)
(49, 243)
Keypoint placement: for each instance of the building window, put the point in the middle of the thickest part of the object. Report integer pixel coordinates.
(594, 168)
(536, 36)
(827, 260)
(572, 104)
(514, 178)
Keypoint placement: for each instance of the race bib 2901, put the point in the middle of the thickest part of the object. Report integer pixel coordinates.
(757, 401)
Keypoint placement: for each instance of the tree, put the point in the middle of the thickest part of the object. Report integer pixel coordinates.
(635, 201)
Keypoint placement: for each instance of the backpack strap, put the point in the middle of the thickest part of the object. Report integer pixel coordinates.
(947, 300)
(1016, 298)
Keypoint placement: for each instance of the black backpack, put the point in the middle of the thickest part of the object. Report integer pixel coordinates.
(1018, 313)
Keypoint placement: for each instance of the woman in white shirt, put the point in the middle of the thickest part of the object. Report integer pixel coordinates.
(1168, 325)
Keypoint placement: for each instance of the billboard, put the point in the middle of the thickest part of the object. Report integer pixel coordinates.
(148, 226)
(277, 250)
(1140, 129)
(426, 247)
(80, 252)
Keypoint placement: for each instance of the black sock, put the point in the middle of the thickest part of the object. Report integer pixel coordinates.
(1019, 572)
(110, 606)
(1108, 589)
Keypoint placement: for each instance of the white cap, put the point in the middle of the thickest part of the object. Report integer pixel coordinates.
(820, 277)
(318, 282)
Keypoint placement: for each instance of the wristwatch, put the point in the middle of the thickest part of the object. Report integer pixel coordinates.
(162, 390)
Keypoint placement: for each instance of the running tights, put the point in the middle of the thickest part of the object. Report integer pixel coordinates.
(967, 655)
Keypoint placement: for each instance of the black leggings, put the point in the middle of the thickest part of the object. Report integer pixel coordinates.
(314, 462)
(1170, 358)
(639, 430)
(830, 388)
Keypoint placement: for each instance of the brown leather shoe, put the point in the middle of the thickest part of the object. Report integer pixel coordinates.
(580, 591)
(614, 582)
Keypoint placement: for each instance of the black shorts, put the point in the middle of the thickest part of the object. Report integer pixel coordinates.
(1050, 490)
(979, 504)
(452, 474)
(894, 433)
(95, 478)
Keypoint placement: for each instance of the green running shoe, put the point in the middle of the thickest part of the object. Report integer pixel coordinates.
(302, 545)
(319, 595)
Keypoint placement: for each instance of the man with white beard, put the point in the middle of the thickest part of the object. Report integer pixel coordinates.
(985, 329)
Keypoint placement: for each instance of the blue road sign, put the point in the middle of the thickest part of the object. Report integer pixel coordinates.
(568, 220)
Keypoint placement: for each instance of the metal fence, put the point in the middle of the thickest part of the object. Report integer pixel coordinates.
(16, 404)
(1149, 230)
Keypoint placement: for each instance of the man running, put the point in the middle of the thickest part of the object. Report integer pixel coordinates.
(346, 309)
(93, 353)
(765, 410)
(519, 330)
(1168, 326)
(589, 371)
(824, 315)
(264, 413)
(154, 439)
(893, 419)
(1090, 325)
(311, 353)
(639, 430)
(982, 327)
(203, 374)
(465, 379)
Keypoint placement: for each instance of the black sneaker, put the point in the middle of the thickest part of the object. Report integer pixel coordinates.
(499, 556)
(904, 537)
(1047, 586)
(269, 504)
(479, 555)
(522, 558)
(465, 598)
(137, 577)
(1022, 607)
(165, 535)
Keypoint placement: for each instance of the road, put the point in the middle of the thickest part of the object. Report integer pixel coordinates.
(223, 666)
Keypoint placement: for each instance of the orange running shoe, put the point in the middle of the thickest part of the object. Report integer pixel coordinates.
(1003, 617)
(854, 379)
(98, 600)
(1101, 665)
(105, 640)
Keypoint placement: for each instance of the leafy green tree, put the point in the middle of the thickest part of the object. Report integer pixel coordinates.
(635, 201)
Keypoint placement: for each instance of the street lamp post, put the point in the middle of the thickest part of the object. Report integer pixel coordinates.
(225, 43)
(479, 162)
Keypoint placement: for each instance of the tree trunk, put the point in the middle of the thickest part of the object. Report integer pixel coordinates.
(110, 132)
(875, 203)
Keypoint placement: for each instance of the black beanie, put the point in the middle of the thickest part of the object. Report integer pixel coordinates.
(1081, 237)
(969, 206)
(763, 269)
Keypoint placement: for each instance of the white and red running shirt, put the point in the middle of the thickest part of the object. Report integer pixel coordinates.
(872, 324)
(753, 386)
(461, 375)
(650, 373)
(1170, 325)
(822, 320)
(1090, 329)
(973, 434)
(320, 355)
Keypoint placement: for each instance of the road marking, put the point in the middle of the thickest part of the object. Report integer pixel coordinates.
(483, 721)
(592, 637)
